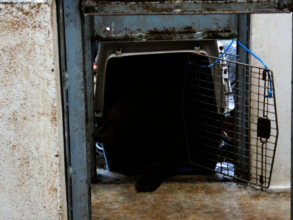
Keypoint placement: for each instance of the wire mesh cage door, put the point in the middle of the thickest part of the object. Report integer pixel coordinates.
(230, 127)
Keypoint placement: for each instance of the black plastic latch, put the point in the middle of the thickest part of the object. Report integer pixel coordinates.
(263, 128)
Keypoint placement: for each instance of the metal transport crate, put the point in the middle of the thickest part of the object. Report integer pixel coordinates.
(233, 133)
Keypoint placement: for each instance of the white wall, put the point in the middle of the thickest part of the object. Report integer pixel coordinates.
(271, 40)
(31, 140)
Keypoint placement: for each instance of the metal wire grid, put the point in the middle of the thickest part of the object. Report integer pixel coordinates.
(238, 142)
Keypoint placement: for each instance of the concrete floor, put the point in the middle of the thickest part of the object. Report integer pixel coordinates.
(199, 197)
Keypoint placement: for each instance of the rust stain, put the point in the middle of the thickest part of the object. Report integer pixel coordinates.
(54, 115)
(23, 16)
(171, 33)
(154, 7)
(187, 32)
(173, 30)
(30, 136)
(224, 33)
(126, 37)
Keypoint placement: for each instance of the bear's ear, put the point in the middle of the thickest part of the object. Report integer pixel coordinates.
(104, 135)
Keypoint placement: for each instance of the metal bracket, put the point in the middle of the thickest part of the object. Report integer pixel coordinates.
(263, 128)
(196, 48)
(118, 51)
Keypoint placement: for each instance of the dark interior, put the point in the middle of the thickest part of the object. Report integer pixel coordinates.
(154, 81)
(157, 83)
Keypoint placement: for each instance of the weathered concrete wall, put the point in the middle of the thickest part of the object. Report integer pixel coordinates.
(31, 141)
(271, 39)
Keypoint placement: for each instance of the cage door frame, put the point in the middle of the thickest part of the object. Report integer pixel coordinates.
(75, 56)
(256, 110)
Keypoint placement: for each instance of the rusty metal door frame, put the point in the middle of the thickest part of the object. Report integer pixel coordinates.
(75, 41)
(75, 31)
(292, 128)
(171, 28)
(181, 7)
(240, 96)
(144, 28)
(75, 75)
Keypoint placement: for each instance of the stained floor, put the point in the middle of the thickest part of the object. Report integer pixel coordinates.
(197, 197)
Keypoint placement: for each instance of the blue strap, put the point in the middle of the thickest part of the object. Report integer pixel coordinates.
(270, 92)
(219, 57)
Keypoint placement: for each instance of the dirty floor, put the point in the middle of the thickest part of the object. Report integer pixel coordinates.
(199, 197)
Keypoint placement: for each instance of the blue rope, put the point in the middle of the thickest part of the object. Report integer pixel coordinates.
(219, 57)
(270, 92)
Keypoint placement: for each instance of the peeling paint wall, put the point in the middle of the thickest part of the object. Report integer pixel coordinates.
(31, 141)
(271, 40)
